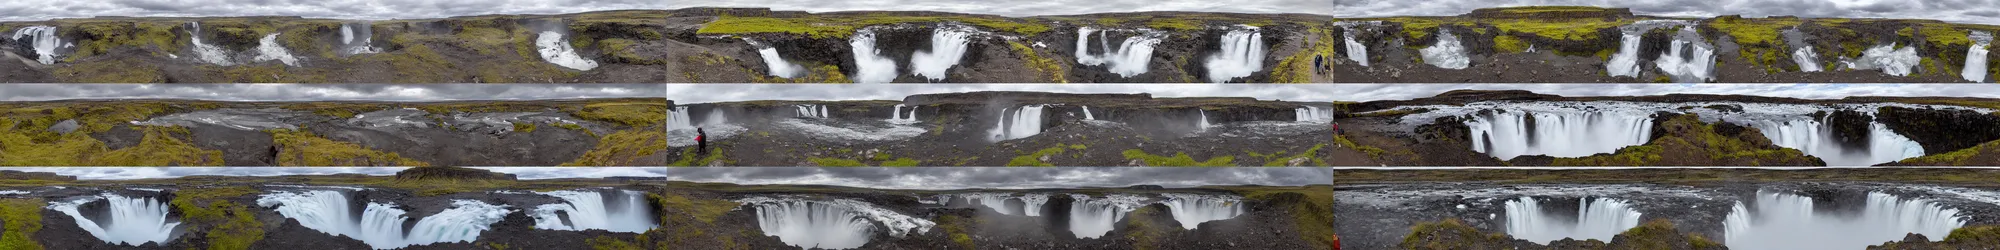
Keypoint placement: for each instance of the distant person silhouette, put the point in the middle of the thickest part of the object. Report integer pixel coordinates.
(1317, 61)
(700, 141)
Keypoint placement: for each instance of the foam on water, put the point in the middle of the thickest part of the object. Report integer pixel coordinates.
(207, 52)
(43, 40)
(1689, 58)
(811, 111)
(1025, 121)
(1242, 54)
(1626, 61)
(131, 221)
(380, 225)
(239, 119)
(1505, 134)
(835, 131)
(1890, 59)
(870, 66)
(621, 211)
(948, 45)
(268, 49)
(1802, 52)
(896, 116)
(1779, 220)
(357, 38)
(776, 64)
(1816, 138)
(555, 49)
(1448, 53)
(829, 224)
(1599, 219)
(1193, 209)
(1975, 57)
(1091, 218)
(1129, 59)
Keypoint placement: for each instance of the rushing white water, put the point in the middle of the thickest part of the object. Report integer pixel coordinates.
(1892, 61)
(621, 211)
(1026, 121)
(1975, 57)
(1091, 218)
(776, 64)
(381, 225)
(132, 221)
(1086, 114)
(678, 119)
(1505, 134)
(1203, 123)
(1779, 220)
(1242, 54)
(1448, 53)
(207, 52)
(555, 49)
(1193, 209)
(1689, 58)
(357, 38)
(870, 66)
(1031, 203)
(1312, 114)
(1356, 51)
(833, 224)
(811, 111)
(1626, 61)
(1130, 57)
(1808, 60)
(1600, 219)
(850, 132)
(268, 49)
(948, 45)
(896, 116)
(43, 39)
(1816, 138)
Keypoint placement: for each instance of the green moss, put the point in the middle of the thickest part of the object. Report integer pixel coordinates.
(121, 70)
(952, 226)
(1509, 44)
(1643, 155)
(1144, 235)
(1572, 29)
(835, 162)
(705, 210)
(1372, 151)
(1180, 159)
(844, 26)
(629, 147)
(1423, 234)
(1041, 64)
(228, 226)
(102, 37)
(302, 148)
(1279, 160)
(1174, 24)
(417, 63)
(1959, 157)
(569, 126)
(635, 114)
(1035, 159)
(902, 162)
(22, 218)
(161, 146)
(524, 127)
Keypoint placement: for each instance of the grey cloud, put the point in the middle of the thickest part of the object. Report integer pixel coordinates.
(1968, 11)
(1316, 92)
(400, 9)
(326, 92)
(936, 178)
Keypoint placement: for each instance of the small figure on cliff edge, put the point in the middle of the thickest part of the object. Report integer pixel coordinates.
(700, 141)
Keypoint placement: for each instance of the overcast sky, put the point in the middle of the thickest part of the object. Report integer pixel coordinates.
(129, 173)
(706, 93)
(936, 178)
(1971, 11)
(411, 9)
(321, 92)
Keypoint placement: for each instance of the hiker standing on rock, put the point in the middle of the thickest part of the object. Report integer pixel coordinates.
(700, 141)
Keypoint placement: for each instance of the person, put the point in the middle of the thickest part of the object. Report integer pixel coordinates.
(1317, 61)
(1336, 129)
(700, 141)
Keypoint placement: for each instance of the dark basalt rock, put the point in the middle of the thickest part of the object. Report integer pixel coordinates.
(1850, 128)
(1941, 131)
(450, 173)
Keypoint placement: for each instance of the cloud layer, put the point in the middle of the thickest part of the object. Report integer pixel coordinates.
(1968, 11)
(326, 92)
(942, 178)
(411, 9)
(705, 93)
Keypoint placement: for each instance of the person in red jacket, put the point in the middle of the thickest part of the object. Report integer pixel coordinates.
(700, 141)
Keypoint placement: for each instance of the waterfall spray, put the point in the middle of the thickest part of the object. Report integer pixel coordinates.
(131, 221)
(1599, 219)
(774, 63)
(948, 45)
(870, 66)
(1448, 53)
(555, 49)
(1130, 57)
(1975, 57)
(43, 40)
(1242, 54)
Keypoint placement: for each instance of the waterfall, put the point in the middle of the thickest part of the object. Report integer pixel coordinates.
(1086, 114)
(1031, 203)
(1312, 114)
(835, 224)
(1788, 221)
(776, 64)
(1448, 53)
(678, 119)
(1892, 61)
(1802, 53)
(621, 211)
(1355, 50)
(207, 52)
(1092, 218)
(1203, 123)
(870, 66)
(1130, 58)
(1626, 61)
(948, 45)
(268, 49)
(811, 111)
(132, 221)
(1506, 133)
(1816, 138)
(555, 49)
(896, 116)
(1601, 220)
(1193, 209)
(1975, 57)
(1242, 54)
(43, 39)
(381, 225)
(1688, 58)
(357, 38)
(1026, 121)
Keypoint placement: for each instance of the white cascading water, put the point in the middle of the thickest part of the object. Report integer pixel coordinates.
(835, 224)
(776, 64)
(268, 49)
(1093, 217)
(1203, 123)
(616, 211)
(1448, 53)
(1026, 121)
(1130, 57)
(1807, 59)
(1086, 114)
(1193, 209)
(1355, 50)
(896, 116)
(1599, 219)
(1626, 61)
(1505, 134)
(811, 111)
(948, 45)
(1816, 138)
(1242, 54)
(207, 52)
(1312, 114)
(357, 38)
(1892, 61)
(381, 225)
(43, 40)
(1781, 220)
(678, 119)
(555, 49)
(870, 66)
(1975, 57)
(1689, 58)
(1031, 203)
(132, 221)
